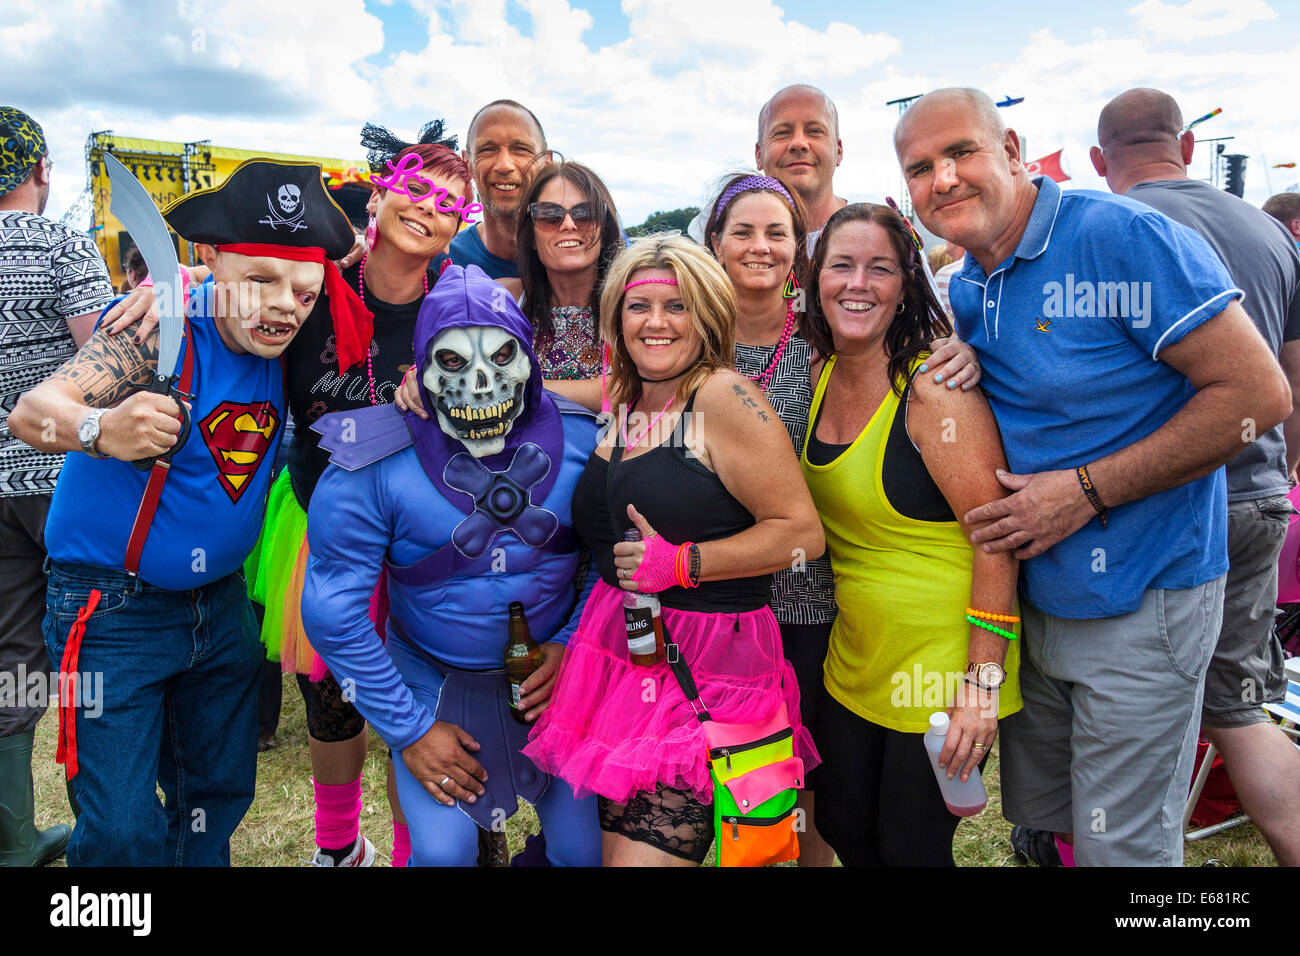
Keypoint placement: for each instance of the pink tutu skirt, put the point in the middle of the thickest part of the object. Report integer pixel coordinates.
(614, 728)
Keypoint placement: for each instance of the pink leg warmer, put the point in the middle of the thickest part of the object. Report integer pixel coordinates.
(1066, 850)
(401, 844)
(338, 814)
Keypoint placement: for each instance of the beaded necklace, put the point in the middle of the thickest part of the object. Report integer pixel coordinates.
(765, 376)
(361, 292)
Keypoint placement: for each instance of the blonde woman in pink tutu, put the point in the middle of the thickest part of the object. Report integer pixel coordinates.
(703, 468)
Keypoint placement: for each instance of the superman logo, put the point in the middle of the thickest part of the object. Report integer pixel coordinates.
(238, 435)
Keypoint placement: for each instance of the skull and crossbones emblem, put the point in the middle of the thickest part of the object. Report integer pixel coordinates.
(291, 209)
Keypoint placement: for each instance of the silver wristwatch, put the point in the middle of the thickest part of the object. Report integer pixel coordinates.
(88, 432)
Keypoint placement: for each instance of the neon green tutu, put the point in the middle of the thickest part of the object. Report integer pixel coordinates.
(275, 572)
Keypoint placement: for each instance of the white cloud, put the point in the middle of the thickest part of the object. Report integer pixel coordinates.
(1199, 19)
(1067, 84)
(658, 114)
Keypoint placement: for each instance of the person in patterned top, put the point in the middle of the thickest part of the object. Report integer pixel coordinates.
(756, 230)
(567, 237)
(53, 284)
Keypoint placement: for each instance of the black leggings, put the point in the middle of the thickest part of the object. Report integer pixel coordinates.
(878, 803)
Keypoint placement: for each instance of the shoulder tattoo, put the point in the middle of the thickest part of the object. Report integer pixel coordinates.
(748, 402)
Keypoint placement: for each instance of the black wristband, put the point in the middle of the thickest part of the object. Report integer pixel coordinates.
(694, 572)
(1094, 499)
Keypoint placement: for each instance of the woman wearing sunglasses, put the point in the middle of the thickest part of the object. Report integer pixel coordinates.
(565, 244)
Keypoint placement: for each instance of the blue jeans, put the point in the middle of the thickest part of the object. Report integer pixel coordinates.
(177, 672)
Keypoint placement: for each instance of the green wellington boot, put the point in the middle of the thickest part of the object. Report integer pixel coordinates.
(21, 844)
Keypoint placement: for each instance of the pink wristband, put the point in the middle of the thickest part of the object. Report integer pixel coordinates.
(657, 571)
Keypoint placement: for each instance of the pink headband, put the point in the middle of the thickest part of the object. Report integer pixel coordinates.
(633, 285)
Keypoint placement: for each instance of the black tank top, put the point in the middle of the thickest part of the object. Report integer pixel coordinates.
(683, 501)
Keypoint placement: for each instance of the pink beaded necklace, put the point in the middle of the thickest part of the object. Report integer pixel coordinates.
(765, 376)
(361, 292)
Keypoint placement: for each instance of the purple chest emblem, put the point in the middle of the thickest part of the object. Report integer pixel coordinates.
(502, 500)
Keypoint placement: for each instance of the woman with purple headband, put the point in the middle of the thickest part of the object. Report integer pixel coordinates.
(756, 230)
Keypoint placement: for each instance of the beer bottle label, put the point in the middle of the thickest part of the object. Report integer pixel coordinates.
(514, 694)
(640, 623)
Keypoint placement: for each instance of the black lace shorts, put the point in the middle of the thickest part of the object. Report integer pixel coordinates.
(330, 718)
(669, 820)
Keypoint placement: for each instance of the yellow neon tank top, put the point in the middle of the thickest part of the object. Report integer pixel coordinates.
(898, 649)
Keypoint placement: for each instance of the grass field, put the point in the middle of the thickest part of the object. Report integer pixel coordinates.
(278, 828)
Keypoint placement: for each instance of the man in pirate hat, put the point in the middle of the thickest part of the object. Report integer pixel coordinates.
(145, 592)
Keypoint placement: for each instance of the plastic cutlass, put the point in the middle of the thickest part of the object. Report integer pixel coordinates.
(131, 204)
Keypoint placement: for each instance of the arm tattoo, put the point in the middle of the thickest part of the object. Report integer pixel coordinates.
(109, 367)
(749, 402)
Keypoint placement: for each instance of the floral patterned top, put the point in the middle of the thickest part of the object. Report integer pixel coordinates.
(574, 350)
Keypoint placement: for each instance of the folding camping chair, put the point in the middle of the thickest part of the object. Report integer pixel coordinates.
(1288, 711)
(1288, 595)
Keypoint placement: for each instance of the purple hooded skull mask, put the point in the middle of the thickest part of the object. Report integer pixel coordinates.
(494, 431)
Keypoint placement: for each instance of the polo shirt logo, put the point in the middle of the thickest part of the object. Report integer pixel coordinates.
(1086, 299)
(1039, 326)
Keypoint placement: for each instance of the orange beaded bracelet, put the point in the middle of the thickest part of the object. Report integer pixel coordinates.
(990, 616)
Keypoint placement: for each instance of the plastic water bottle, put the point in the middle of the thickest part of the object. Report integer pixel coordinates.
(963, 799)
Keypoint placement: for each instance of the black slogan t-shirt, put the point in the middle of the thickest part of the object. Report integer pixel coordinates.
(316, 387)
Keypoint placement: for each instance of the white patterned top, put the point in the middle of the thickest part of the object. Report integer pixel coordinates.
(48, 274)
(800, 595)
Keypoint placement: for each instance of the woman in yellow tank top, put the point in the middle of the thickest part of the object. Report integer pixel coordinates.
(894, 459)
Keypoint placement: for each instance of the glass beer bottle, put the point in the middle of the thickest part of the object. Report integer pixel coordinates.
(644, 623)
(523, 656)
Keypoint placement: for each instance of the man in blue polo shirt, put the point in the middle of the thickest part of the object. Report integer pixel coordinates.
(1120, 367)
(145, 590)
(1143, 153)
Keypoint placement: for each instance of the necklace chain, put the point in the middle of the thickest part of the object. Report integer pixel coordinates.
(361, 293)
(649, 428)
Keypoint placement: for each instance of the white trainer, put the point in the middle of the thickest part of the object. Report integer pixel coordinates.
(363, 854)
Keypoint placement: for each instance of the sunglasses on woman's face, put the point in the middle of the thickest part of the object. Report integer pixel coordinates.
(550, 215)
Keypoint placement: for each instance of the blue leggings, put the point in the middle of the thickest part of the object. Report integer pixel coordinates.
(444, 836)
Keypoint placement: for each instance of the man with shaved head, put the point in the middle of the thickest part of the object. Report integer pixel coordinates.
(1119, 366)
(1143, 154)
(799, 144)
(504, 147)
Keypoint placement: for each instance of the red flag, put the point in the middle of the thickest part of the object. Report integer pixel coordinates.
(1049, 166)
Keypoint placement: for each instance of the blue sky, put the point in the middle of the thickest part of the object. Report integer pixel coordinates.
(659, 96)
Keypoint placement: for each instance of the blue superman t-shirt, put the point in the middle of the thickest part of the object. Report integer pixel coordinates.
(211, 507)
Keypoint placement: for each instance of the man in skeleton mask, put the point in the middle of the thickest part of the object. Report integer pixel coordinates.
(464, 514)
